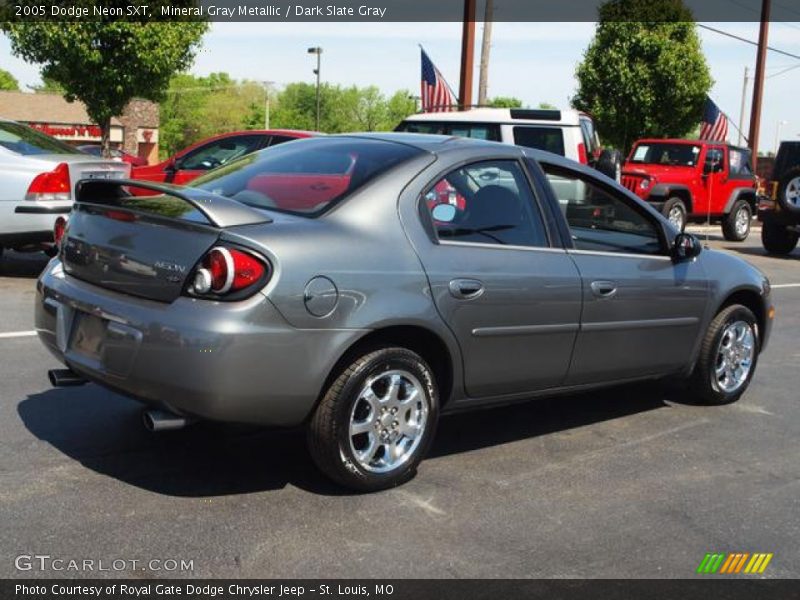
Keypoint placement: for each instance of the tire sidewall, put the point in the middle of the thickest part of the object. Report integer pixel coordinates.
(386, 360)
(739, 314)
(742, 206)
(670, 204)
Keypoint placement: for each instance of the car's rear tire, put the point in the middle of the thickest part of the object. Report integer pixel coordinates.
(728, 357)
(777, 239)
(376, 420)
(736, 224)
(675, 211)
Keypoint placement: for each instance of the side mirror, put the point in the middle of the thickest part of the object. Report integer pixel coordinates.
(686, 247)
(444, 213)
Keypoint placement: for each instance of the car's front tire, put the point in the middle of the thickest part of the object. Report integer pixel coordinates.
(376, 420)
(728, 356)
(736, 224)
(675, 211)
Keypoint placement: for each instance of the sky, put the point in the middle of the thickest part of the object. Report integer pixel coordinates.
(531, 61)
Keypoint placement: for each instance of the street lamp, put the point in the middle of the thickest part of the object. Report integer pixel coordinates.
(318, 51)
(778, 133)
(266, 85)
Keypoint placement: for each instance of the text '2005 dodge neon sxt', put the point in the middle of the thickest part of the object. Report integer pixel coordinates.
(360, 285)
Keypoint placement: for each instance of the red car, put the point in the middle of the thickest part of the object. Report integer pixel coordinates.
(116, 154)
(213, 152)
(695, 180)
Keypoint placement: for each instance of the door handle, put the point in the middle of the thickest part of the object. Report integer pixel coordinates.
(604, 289)
(466, 289)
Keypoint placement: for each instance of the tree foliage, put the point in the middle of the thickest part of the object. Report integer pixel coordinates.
(199, 107)
(505, 102)
(105, 64)
(644, 74)
(48, 86)
(8, 82)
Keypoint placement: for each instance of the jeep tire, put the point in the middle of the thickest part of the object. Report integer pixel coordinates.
(675, 211)
(777, 238)
(736, 224)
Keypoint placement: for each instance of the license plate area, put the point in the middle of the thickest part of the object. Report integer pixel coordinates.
(88, 335)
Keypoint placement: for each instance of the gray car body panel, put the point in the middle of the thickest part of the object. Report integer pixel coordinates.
(373, 264)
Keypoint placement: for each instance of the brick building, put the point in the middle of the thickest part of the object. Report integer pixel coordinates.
(134, 131)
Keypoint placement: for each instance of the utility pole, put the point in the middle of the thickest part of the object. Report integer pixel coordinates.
(318, 51)
(744, 101)
(758, 85)
(266, 102)
(486, 48)
(467, 55)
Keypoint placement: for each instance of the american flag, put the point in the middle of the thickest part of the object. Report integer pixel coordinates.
(715, 124)
(436, 94)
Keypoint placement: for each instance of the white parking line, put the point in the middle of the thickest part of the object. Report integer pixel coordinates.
(17, 334)
(784, 285)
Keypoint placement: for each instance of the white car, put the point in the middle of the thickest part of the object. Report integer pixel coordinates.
(38, 174)
(568, 133)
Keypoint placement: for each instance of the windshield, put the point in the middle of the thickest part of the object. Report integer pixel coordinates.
(670, 155)
(305, 177)
(27, 141)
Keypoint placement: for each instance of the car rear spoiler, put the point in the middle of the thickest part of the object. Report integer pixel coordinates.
(219, 210)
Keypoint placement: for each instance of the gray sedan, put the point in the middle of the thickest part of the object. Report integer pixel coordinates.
(361, 285)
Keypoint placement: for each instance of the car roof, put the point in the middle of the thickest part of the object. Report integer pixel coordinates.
(427, 142)
(504, 115)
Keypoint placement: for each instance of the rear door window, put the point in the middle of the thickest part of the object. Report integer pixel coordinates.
(549, 139)
(740, 164)
(492, 203)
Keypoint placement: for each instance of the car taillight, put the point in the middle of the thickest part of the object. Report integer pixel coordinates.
(59, 228)
(228, 272)
(582, 157)
(52, 185)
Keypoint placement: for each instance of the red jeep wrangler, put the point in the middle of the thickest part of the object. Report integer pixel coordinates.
(695, 180)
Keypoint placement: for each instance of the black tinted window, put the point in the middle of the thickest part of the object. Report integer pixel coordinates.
(478, 131)
(492, 204)
(549, 139)
(307, 176)
(599, 219)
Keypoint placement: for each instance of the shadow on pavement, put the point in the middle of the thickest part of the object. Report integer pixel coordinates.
(103, 431)
(22, 264)
(759, 251)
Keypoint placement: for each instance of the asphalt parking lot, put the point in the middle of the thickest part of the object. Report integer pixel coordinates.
(631, 482)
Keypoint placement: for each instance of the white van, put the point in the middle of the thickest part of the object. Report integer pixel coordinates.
(569, 133)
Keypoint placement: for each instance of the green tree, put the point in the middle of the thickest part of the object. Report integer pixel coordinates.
(105, 64)
(505, 102)
(48, 86)
(8, 82)
(644, 74)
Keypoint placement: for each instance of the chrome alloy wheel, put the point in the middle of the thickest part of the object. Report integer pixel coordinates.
(735, 355)
(676, 217)
(388, 420)
(742, 222)
(793, 192)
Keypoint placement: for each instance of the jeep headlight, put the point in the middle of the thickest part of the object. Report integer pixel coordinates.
(645, 183)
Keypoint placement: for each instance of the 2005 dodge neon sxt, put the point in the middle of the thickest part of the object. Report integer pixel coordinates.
(362, 284)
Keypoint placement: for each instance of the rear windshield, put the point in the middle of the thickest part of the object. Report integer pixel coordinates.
(27, 141)
(549, 139)
(671, 155)
(305, 177)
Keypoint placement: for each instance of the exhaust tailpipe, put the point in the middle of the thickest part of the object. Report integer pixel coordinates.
(161, 420)
(64, 378)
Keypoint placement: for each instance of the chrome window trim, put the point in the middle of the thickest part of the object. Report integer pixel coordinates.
(499, 246)
(623, 254)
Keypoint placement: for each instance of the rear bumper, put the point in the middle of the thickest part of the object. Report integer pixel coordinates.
(236, 362)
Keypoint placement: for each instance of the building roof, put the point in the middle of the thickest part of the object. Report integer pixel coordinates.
(44, 108)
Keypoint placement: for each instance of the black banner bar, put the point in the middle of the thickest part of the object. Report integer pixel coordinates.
(710, 588)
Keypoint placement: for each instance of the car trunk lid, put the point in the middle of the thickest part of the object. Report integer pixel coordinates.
(145, 246)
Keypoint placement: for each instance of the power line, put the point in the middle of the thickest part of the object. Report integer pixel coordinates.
(784, 71)
(746, 41)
